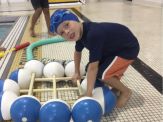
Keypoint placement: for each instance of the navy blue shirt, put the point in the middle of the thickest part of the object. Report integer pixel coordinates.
(104, 40)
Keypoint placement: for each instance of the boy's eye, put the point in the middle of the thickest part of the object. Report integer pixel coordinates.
(61, 33)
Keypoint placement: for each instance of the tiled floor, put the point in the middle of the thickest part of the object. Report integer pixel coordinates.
(146, 23)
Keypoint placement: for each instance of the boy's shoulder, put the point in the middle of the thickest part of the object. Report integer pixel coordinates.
(99, 26)
(102, 23)
(93, 30)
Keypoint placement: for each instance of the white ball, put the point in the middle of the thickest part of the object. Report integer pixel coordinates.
(106, 98)
(98, 83)
(53, 68)
(84, 86)
(35, 66)
(70, 69)
(10, 85)
(7, 98)
(24, 78)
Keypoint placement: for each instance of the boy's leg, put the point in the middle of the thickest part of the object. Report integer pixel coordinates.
(45, 6)
(35, 17)
(38, 9)
(111, 72)
(47, 17)
(125, 92)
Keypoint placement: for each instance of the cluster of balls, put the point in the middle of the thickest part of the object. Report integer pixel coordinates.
(27, 108)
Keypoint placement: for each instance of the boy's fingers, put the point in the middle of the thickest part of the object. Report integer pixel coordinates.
(74, 82)
(80, 96)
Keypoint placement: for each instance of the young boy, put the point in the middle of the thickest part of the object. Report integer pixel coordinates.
(112, 48)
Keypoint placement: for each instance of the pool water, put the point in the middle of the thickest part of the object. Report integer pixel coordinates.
(4, 30)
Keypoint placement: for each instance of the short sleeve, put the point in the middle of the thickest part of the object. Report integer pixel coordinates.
(79, 46)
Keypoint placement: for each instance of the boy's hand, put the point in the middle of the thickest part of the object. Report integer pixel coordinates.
(76, 77)
(85, 95)
(89, 94)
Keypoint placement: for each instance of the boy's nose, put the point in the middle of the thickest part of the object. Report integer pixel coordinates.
(66, 31)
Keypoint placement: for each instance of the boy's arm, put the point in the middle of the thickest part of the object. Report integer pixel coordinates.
(91, 77)
(77, 59)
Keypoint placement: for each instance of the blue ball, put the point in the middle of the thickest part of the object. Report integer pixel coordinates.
(14, 75)
(110, 99)
(25, 108)
(1, 85)
(106, 98)
(22, 77)
(86, 109)
(1, 118)
(55, 111)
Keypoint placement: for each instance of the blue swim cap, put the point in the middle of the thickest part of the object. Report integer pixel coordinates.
(60, 16)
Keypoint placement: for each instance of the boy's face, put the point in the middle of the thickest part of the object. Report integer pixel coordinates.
(70, 30)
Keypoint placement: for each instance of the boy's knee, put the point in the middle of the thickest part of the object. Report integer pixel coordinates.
(111, 79)
(39, 10)
(46, 10)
